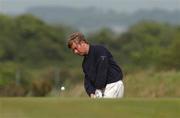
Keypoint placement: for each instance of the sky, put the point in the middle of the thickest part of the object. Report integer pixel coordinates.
(117, 5)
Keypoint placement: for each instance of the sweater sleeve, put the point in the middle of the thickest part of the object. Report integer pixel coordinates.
(88, 86)
(102, 68)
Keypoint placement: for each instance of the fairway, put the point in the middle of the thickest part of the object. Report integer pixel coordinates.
(88, 108)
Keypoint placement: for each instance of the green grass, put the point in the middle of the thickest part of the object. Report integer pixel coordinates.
(89, 108)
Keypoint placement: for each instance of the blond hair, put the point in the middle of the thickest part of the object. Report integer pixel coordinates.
(76, 37)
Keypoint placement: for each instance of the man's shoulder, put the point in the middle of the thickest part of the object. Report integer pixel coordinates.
(100, 50)
(99, 47)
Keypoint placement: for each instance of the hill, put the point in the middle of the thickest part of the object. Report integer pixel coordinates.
(93, 18)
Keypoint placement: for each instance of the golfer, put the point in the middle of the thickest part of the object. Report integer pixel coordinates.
(103, 77)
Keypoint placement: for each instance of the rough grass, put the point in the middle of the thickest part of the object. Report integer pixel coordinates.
(145, 84)
(152, 84)
(88, 108)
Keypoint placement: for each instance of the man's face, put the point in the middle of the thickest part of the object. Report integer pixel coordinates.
(79, 48)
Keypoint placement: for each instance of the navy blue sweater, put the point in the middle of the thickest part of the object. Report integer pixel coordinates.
(100, 69)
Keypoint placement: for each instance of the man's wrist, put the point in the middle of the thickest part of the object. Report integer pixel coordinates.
(92, 95)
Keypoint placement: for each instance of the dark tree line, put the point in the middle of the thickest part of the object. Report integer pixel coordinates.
(33, 52)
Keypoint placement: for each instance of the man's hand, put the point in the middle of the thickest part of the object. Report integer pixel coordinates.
(98, 93)
(93, 95)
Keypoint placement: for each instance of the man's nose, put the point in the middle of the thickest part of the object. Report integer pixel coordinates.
(75, 51)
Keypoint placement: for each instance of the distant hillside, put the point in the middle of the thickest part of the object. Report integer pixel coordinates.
(95, 18)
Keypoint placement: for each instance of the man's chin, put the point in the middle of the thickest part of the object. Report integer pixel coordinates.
(81, 54)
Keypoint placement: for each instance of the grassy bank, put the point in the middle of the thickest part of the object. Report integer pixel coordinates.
(152, 84)
(144, 84)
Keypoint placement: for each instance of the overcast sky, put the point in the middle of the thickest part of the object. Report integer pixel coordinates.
(118, 5)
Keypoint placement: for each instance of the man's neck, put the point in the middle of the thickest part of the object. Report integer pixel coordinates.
(87, 49)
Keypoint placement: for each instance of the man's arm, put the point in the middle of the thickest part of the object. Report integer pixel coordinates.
(90, 89)
(101, 75)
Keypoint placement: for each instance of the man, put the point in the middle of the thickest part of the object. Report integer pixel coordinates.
(103, 77)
